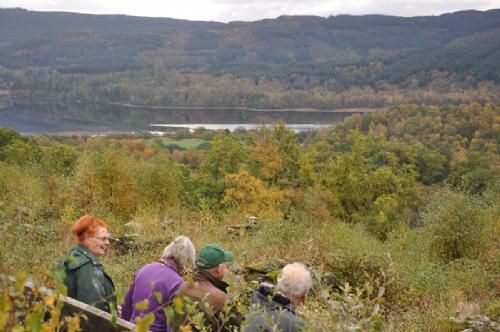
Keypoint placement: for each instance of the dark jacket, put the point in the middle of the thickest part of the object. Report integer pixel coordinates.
(273, 310)
(86, 280)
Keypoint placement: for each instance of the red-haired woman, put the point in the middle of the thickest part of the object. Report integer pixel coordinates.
(85, 278)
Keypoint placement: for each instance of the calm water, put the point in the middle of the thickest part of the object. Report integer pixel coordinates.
(50, 117)
(160, 127)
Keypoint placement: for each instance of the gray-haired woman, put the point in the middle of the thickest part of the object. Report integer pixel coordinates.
(162, 277)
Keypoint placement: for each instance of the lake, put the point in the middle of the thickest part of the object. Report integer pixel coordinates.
(52, 116)
(161, 127)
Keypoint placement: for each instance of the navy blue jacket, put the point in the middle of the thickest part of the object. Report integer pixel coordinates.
(274, 310)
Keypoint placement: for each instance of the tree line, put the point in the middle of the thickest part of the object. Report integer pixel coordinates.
(368, 169)
(336, 88)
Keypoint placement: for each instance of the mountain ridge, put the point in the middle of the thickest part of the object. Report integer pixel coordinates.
(18, 24)
(291, 61)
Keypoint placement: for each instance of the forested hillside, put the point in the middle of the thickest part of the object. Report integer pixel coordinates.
(289, 62)
(73, 39)
(401, 204)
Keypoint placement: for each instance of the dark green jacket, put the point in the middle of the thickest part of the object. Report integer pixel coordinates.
(86, 280)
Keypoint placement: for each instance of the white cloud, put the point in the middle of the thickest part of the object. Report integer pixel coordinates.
(250, 10)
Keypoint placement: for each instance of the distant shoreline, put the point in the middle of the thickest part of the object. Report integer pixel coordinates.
(165, 107)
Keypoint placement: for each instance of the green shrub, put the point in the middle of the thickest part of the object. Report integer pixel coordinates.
(23, 194)
(457, 225)
(351, 310)
(493, 310)
(472, 277)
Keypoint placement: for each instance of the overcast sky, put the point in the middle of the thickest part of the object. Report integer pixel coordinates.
(252, 10)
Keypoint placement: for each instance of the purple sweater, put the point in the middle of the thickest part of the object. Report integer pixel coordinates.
(157, 277)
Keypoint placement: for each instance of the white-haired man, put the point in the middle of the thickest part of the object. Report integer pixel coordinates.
(277, 309)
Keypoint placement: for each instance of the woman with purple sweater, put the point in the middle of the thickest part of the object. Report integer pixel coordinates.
(162, 277)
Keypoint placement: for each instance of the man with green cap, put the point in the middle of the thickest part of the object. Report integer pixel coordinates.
(210, 290)
(211, 269)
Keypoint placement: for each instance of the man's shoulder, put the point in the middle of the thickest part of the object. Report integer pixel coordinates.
(263, 295)
(287, 321)
(267, 321)
(256, 321)
(205, 291)
(213, 291)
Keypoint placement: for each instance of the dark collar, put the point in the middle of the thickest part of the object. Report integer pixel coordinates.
(278, 301)
(87, 253)
(170, 262)
(204, 275)
(282, 302)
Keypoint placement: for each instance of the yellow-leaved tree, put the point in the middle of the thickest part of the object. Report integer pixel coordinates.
(249, 194)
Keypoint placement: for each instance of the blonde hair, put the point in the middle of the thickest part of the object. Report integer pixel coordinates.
(295, 279)
(182, 251)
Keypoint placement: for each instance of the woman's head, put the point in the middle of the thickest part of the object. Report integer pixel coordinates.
(182, 251)
(92, 233)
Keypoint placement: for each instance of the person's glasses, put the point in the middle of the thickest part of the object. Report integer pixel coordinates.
(103, 238)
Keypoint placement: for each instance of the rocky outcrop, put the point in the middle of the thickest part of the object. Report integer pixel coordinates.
(477, 323)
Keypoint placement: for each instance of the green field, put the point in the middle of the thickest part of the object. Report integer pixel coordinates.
(183, 143)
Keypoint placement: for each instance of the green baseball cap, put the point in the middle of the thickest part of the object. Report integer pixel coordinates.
(212, 255)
